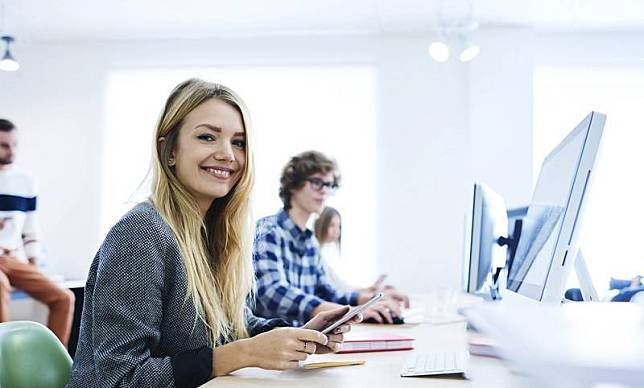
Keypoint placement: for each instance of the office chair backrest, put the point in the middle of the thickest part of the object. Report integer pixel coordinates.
(32, 356)
(638, 298)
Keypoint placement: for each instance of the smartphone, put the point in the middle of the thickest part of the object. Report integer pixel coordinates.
(352, 313)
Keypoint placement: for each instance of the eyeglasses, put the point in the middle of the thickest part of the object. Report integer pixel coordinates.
(317, 184)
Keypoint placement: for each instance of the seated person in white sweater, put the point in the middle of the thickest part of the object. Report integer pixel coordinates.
(328, 231)
(20, 245)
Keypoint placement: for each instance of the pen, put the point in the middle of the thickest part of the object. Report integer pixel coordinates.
(331, 364)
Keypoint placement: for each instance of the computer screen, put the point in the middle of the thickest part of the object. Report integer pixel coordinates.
(488, 222)
(548, 245)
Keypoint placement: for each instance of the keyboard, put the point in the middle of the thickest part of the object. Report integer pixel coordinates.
(436, 363)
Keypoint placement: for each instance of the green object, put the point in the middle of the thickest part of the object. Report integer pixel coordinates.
(31, 356)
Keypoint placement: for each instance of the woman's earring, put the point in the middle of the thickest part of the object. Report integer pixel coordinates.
(171, 163)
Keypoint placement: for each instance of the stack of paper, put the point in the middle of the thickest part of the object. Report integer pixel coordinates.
(375, 342)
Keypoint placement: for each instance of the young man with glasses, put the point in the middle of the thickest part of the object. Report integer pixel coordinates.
(291, 281)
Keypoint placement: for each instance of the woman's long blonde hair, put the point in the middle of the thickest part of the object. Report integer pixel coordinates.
(216, 250)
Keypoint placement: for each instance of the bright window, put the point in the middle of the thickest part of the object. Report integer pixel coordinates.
(614, 218)
(293, 109)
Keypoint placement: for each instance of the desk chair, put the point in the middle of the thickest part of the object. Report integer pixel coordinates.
(638, 298)
(32, 356)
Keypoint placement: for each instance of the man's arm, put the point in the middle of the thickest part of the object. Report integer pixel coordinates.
(276, 296)
(381, 312)
(324, 306)
(325, 290)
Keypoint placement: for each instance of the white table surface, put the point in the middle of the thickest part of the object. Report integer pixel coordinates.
(382, 369)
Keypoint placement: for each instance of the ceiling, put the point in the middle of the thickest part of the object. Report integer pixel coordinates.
(62, 20)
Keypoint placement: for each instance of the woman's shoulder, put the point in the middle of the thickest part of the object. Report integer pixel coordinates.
(142, 223)
(141, 241)
(144, 211)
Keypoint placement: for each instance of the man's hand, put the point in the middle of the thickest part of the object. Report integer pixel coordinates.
(5, 254)
(383, 311)
(389, 291)
(4, 221)
(392, 293)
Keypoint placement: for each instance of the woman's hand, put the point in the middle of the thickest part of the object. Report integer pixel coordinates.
(326, 318)
(284, 347)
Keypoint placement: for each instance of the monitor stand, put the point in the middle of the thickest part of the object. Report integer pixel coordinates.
(588, 292)
(490, 289)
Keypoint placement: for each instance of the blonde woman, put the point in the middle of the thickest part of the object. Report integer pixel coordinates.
(165, 300)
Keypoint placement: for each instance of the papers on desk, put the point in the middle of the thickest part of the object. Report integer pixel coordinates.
(576, 344)
(413, 315)
(480, 345)
(332, 364)
(444, 318)
(375, 342)
(421, 315)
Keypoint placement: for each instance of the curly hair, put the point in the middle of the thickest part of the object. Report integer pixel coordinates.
(302, 166)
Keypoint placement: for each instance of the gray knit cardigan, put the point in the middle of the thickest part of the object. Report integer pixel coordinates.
(137, 328)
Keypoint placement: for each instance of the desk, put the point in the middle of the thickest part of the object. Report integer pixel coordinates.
(382, 368)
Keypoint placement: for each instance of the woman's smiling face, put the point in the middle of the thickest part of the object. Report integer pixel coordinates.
(210, 154)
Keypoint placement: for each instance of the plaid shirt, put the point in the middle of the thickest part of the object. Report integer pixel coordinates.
(291, 281)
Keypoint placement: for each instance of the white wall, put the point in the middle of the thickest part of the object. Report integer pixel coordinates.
(501, 95)
(603, 72)
(57, 99)
(294, 108)
(427, 153)
(590, 49)
(501, 112)
(424, 166)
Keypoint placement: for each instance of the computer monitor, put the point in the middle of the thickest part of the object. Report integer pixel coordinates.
(548, 246)
(488, 222)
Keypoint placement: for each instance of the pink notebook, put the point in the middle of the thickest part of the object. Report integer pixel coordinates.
(375, 342)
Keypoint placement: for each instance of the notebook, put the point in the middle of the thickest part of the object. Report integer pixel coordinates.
(374, 342)
(480, 345)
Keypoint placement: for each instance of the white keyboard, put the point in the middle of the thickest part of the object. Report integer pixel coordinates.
(436, 363)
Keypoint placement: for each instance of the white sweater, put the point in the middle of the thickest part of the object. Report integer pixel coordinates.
(19, 229)
(330, 258)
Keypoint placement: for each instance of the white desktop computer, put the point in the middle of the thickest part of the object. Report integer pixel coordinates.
(544, 247)
(542, 251)
(547, 251)
(486, 223)
(575, 344)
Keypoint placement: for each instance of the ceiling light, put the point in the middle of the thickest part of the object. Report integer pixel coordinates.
(455, 26)
(439, 51)
(8, 62)
(469, 53)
